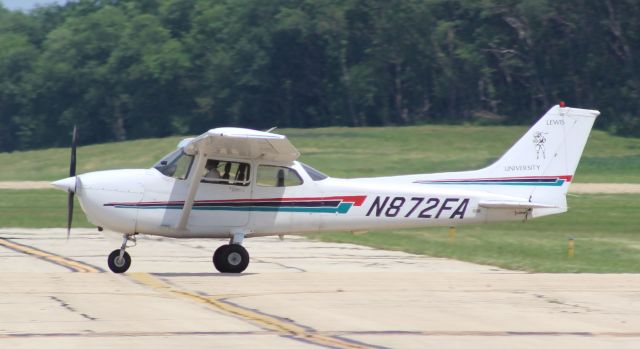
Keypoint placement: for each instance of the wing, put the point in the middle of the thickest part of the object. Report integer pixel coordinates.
(243, 144)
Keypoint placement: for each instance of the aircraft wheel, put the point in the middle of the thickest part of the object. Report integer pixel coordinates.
(231, 259)
(217, 258)
(117, 264)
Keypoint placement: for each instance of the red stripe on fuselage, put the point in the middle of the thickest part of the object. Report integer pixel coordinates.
(567, 178)
(357, 200)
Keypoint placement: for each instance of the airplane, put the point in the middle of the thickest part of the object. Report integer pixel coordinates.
(237, 183)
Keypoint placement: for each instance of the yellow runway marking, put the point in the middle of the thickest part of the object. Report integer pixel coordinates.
(262, 320)
(49, 257)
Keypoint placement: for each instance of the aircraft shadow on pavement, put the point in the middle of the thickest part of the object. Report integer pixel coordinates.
(202, 274)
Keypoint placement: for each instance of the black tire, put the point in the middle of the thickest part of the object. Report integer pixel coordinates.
(231, 259)
(217, 258)
(116, 265)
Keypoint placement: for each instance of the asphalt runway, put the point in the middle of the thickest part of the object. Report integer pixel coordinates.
(295, 294)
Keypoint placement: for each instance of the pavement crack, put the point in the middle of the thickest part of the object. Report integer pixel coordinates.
(555, 301)
(68, 307)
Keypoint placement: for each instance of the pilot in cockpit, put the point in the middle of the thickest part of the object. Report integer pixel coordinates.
(211, 169)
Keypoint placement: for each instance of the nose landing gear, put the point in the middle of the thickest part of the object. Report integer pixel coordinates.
(119, 260)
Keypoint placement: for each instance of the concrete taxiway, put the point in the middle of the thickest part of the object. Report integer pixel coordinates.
(295, 294)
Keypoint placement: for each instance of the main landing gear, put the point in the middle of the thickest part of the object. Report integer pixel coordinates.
(231, 258)
(119, 261)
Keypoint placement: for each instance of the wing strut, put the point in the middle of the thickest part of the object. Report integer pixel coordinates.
(198, 173)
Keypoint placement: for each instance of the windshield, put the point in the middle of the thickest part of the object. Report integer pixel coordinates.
(175, 164)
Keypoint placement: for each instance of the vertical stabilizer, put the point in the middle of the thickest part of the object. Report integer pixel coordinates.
(551, 147)
(539, 166)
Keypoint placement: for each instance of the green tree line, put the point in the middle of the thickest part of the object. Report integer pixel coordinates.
(125, 69)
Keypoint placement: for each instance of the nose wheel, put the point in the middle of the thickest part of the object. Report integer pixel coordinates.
(119, 260)
(119, 264)
(232, 258)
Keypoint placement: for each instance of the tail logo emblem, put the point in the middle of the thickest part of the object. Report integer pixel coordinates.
(539, 141)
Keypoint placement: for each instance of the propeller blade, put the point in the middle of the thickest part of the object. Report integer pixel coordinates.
(72, 173)
(74, 142)
(69, 212)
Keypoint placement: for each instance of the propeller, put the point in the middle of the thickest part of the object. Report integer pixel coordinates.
(72, 173)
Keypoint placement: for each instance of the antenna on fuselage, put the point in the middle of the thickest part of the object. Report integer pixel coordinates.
(271, 129)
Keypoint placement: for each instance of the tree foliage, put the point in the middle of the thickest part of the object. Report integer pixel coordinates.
(124, 69)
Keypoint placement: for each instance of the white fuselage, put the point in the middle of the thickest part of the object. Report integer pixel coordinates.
(146, 201)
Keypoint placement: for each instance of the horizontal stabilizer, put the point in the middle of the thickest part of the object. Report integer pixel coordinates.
(512, 204)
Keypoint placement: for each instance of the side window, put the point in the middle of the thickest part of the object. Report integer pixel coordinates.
(313, 173)
(277, 176)
(226, 172)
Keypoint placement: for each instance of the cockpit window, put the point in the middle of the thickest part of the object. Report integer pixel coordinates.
(277, 176)
(226, 172)
(176, 165)
(313, 173)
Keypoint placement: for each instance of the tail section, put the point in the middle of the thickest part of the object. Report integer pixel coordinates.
(539, 167)
(550, 148)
